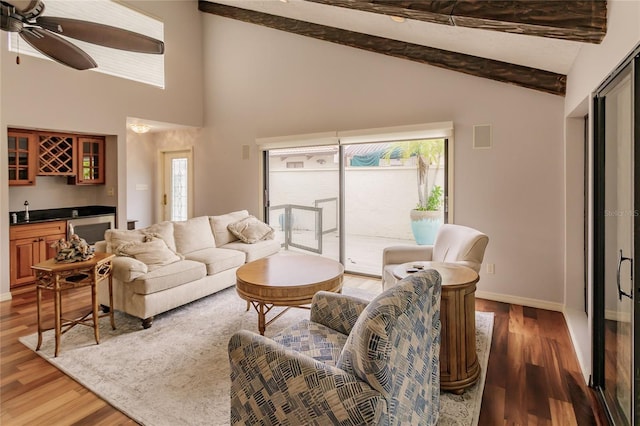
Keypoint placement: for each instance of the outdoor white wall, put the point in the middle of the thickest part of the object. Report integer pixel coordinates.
(592, 66)
(43, 94)
(264, 83)
(378, 199)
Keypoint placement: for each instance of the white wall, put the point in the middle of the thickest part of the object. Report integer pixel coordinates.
(43, 94)
(592, 66)
(262, 82)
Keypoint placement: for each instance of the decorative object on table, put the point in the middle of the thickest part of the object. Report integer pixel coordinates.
(427, 216)
(74, 250)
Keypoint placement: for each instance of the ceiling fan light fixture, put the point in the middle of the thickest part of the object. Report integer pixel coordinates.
(140, 127)
(398, 19)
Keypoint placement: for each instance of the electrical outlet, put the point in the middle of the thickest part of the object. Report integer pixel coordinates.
(491, 268)
(110, 192)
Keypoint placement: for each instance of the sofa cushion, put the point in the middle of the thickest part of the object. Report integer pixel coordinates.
(220, 223)
(217, 259)
(250, 230)
(255, 251)
(313, 339)
(164, 231)
(169, 276)
(117, 237)
(193, 234)
(153, 253)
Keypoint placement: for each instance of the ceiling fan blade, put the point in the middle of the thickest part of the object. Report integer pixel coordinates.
(103, 35)
(58, 49)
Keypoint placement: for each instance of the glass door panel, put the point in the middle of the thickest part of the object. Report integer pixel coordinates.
(177, 198)
(303, 188)
(383, 183)
(618, 249)
(616, 215)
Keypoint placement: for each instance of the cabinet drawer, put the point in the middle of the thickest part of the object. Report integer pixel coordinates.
(38, 229)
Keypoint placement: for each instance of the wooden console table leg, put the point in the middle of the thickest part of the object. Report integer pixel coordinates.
(57, 303)
(94, 307)
(39, 315)
(113, 322)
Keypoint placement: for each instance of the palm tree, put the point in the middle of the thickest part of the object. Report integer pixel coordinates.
(429, 153)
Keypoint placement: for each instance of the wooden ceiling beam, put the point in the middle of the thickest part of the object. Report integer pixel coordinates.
(578, 20)
(531, 78)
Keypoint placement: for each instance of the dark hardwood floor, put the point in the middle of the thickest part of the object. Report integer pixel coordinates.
(533, 376)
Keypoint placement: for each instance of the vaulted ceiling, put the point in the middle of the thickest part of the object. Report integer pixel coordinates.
(529, 43)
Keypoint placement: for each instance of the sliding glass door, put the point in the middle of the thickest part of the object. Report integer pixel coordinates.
(349, 202)
(616, 229)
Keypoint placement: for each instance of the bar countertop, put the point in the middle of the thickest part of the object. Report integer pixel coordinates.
(65, 213)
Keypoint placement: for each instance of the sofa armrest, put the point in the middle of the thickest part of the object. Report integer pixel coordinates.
(402, 254)
(101, 246)
(272, 382)
(337, 311)
(127, 269)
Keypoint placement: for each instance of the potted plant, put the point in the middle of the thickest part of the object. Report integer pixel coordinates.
(426, 218)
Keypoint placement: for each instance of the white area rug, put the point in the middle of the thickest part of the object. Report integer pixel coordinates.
(177, 372)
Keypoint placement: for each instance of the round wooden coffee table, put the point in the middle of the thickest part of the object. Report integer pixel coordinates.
(459, 367)
(286, 280)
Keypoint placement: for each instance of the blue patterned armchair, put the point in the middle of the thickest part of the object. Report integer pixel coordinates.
(353, 363)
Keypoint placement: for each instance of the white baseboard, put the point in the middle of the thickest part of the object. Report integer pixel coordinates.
(524, 301)
(5, 296)
(577, 328)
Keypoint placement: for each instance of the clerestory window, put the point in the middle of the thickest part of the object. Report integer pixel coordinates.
(144, 68)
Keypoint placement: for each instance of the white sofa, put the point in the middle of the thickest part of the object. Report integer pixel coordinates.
(169, 264)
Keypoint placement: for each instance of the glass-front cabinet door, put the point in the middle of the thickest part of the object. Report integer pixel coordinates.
(90, 160)
(22, 154)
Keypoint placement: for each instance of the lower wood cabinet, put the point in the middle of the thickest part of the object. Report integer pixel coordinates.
(31, 244)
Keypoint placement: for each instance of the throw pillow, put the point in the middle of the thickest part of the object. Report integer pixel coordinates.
(117, 237)
(193, 234)
(220, 223)
(251, 230)
(163, 230)
(153, 253)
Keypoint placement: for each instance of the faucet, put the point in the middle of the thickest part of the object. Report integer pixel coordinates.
(26, 211)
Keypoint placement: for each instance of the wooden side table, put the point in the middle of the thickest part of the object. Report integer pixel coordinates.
(459, 367)
(58, 277)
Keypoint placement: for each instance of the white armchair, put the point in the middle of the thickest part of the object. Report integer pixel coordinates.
(454, 243)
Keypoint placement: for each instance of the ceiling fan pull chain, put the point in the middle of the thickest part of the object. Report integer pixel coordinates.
(18, 51)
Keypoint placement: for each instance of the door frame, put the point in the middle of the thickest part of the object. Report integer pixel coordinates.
(160, 173)
(598, 214)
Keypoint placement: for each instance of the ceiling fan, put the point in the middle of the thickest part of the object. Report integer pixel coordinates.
(24, 17)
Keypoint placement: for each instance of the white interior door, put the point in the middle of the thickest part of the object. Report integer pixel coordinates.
(176, 198)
